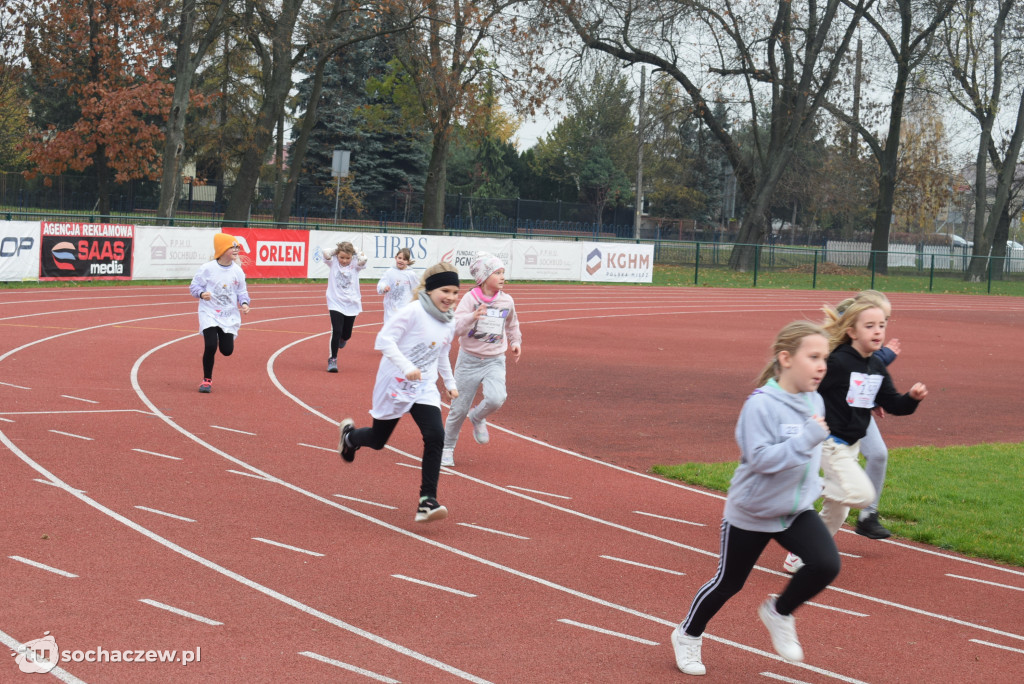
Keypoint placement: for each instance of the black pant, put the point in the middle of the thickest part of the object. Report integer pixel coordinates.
(341, 331)
(807, 537)
(428, 419)
(212, 339)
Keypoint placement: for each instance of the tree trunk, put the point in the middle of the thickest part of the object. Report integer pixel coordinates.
(436, 184)
(275, 92)
(103, 183)
(754, 227)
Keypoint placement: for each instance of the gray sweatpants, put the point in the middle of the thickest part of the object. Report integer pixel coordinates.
(876, 458)
(470, 373)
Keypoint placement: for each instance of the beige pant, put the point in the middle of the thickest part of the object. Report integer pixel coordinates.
(846, 483)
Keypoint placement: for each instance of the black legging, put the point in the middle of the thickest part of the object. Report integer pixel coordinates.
(428, 419)
(213, 338)
(807, 537)
(341, 330)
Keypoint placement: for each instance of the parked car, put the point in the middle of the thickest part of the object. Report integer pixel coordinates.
(960, 242)
(1012, 246)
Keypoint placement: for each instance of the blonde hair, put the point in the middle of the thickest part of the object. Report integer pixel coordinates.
(439, 267)
(838, 324)
(346, 247)
(407, 253)
(789, 340)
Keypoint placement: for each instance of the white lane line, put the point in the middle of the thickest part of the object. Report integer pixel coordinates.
(832, 608)
(592, 628)
(253, 475)
(350, 668)
(55, 484)
(981, 581)
(434, 586)
(42, 566)
(241, 432)
(6, 420)
(88, 401)
(371, 503)
(153, 453)
(780, 678)
(286, 546)
(321, 448)
(488, 529)
(61, 413)
(643, 565)
(16, 647)
(68, 434)
(179, 611)
(534, 491)
(848, 555)
(164, 513)
(7, 384)
(989, 643)
(408, 465)
(665, 517)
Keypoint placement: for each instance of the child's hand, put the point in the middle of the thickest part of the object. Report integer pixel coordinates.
(245, 308)
(894, 345)
(516, 351)
(361, 258)
(918, 391)
(878, 412)
(452, 393)
(820, 420)
(387, 288)
(414, 375)
(206, 296)
(481, 311)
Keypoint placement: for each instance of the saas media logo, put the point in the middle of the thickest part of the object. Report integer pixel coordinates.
(64, 256)
(38, 656)
(594, 261)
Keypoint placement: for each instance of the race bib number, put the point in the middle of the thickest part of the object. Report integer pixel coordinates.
(863, 388)
(403, 390)
(791, 429)
(493, 324)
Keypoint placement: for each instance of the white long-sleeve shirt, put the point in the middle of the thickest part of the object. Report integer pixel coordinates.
(343, 284)
(411, 339)
(226, 285)
(401, 283)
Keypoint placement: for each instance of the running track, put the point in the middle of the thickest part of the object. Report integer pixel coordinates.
(126, 496)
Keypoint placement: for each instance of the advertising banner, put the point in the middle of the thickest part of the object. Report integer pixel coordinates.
(19, 250)
(381, 248)
(272, 253)
(546, 260)
(167, 253)
(462, 252)
(84, 251)
(608, 262)
(320, 240)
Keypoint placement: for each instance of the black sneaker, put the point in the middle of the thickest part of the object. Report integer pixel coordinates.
(348, 452)
(872, 529)
(429, 510)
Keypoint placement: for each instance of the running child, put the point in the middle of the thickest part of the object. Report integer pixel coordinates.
(415, 343)
(344, 302)
(780, 434)
(219, 285)
(397, 283)
(856, 381)
(486, 325)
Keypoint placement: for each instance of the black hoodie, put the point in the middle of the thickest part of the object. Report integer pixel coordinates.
(847, 422)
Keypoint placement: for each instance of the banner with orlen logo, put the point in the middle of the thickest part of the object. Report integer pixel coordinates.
(84, 251)
(271, 253)
(609, 262)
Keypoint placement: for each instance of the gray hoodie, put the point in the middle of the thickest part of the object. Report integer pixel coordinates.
(780, 455)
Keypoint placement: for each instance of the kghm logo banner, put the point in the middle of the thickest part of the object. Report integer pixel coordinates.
(80, 251)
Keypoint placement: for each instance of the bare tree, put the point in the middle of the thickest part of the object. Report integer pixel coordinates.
(717, 52)
(984, 47)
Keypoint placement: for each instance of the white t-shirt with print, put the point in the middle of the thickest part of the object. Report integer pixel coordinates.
(226, 285)
(402, 281)
(343, 286)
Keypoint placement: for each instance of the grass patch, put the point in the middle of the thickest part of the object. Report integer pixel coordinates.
(961, 498)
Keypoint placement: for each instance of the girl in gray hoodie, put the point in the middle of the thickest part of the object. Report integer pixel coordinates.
(780, 432)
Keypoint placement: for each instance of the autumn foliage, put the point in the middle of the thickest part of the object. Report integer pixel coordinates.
(103, 57)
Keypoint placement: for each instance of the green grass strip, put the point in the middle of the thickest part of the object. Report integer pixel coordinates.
(961, 498)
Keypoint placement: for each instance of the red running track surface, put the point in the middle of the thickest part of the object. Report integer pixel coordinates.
(127, 494)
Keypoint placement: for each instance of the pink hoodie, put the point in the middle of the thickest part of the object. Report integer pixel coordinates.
(492, 335)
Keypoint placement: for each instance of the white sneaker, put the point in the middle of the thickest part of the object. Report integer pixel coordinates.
(687, 649)
(448, 457)
(792, 563)
(479, 430)
(782, 629)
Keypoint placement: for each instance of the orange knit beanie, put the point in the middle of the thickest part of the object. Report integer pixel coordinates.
(222, 242)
